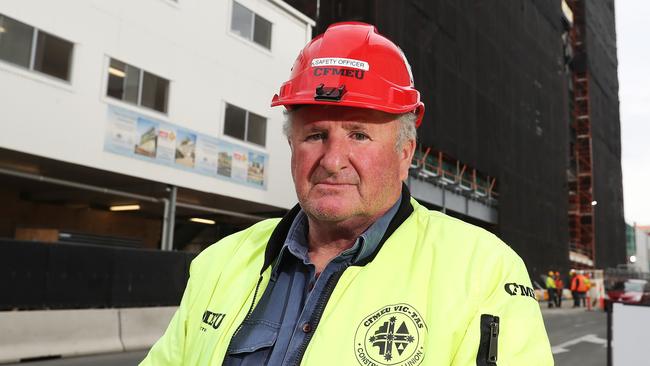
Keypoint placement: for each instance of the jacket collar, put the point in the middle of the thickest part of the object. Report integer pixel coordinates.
(279, 235)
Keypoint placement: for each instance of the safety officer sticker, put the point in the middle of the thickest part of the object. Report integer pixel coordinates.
(392, 335)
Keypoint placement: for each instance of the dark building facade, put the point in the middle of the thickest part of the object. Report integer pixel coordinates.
(493, 78)
(602, 66)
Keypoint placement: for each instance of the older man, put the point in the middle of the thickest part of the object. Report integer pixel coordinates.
(358, 273)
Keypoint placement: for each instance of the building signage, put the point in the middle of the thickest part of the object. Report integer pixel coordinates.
(137, 136)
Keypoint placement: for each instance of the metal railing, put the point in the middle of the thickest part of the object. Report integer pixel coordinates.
(441, 169)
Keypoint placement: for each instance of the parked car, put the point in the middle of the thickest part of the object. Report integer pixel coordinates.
(631, 291)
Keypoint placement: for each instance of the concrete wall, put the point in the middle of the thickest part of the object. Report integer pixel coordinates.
(31, 334)
(186, 42)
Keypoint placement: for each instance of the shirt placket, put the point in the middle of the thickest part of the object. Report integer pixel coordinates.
(305, 323)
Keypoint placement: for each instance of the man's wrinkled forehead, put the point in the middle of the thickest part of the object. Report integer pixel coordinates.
(315, 113)
(351, 125)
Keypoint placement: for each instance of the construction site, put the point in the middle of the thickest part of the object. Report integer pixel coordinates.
(120, 163)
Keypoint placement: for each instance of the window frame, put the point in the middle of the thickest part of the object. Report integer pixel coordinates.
(30, 68)
(245, 140)
(250, 41)
(141, 72)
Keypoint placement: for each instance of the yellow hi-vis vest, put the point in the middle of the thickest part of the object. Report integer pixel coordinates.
(437, 292)
(550, 282)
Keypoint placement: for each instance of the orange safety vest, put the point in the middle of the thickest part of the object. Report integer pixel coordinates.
(579, 284)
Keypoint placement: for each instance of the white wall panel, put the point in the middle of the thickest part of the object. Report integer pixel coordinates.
(190, 44)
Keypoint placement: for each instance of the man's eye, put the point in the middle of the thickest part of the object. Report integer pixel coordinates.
(315, 137)
(359, 136)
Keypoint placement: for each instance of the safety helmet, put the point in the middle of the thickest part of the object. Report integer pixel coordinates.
(551, 273)
(352, 65)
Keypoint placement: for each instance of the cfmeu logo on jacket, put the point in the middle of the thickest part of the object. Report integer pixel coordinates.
(513, 288)
(393, 334)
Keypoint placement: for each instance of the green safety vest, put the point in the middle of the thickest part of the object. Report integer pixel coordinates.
(550, 282)
(438, 291)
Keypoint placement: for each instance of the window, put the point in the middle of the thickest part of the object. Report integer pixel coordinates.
(136, 86)
(15, 41)
(251, 26)
(50, 55)
(244, 125)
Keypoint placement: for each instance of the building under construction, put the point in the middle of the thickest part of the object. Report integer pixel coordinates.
(526, 93)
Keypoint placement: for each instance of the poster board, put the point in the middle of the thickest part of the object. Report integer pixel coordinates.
(137, 136)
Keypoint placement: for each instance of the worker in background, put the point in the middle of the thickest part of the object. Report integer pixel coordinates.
(559, 285)
(574, 294)
(579, 287)
(358, 272)
(551, 290)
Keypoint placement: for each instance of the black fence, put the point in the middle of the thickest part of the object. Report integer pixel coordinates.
(36, 275)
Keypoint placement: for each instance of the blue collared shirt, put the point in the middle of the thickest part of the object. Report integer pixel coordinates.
(280, 322)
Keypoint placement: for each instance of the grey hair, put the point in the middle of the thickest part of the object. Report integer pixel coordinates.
(286, 125)
(406, 132)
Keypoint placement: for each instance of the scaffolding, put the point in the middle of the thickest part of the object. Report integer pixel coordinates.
(580, 176)
(443, 170)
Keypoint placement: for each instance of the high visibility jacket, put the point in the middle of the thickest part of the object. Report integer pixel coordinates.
(437, 291)
(579, 284)
(550, 282)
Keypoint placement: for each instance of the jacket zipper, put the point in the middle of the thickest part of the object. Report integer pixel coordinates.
(318, 312)
(488, 345)
(250, 310)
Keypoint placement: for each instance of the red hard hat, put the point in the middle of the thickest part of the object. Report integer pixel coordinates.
(352, 65)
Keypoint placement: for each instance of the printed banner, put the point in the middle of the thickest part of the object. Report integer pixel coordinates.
(131, 134)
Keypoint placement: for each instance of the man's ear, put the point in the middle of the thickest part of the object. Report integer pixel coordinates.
(406, 156)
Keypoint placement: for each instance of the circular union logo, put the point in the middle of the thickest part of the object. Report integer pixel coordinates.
(392, 335)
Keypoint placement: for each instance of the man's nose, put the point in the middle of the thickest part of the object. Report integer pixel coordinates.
(335, 154)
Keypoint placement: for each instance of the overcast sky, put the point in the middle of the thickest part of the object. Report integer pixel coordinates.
(633, 38)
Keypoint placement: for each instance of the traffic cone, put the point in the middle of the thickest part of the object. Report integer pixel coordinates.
(588, 303)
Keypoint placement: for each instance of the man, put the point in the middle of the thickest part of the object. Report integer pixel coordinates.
(573, 286)
(358, 273)
(550, 288)
(559, 284)
(579, 288)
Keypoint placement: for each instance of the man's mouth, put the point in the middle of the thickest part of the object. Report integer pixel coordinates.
(334, 184)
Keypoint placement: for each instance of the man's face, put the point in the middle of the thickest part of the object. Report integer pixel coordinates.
(344, 162)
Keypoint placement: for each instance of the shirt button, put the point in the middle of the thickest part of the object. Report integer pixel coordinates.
(306, 327)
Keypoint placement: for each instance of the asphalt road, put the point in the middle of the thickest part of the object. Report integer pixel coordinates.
(112, 359)
(578, 337)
